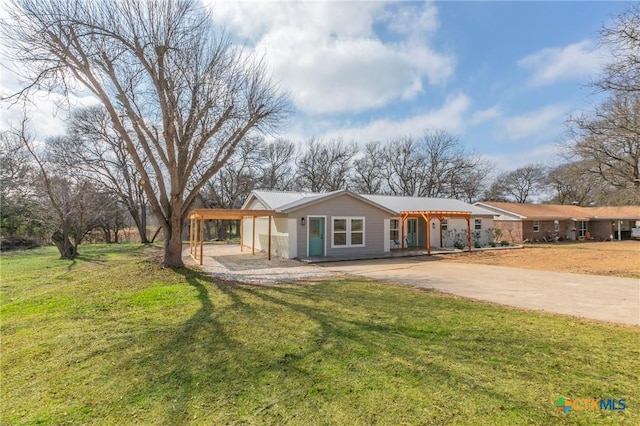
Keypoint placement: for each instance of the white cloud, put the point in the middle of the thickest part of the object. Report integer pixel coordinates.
(448, 117)
(538, 122)
(541, 154)
(482, 116)
(328, 56)
(574, 61)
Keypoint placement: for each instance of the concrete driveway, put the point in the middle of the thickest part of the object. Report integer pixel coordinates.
(597, 297)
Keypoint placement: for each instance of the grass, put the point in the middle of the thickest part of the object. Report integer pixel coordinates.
(112, 338)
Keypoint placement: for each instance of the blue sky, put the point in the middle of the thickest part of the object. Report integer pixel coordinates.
(502, 76)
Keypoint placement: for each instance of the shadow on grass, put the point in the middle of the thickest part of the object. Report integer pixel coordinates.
(212, 361)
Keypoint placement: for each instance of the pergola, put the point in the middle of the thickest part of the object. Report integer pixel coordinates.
(427, 215)
(196, 230)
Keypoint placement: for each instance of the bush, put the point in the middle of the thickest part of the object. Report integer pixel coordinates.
(504, 243)
(476, 244)
(458, 245)
(18, 243)
(493, 244)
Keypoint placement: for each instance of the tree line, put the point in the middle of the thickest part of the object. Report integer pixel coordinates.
(183, 119)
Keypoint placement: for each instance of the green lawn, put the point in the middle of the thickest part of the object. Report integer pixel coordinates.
(112, 338)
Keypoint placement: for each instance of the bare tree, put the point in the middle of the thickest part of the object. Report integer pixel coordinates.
(73, 203)
(518, 185)
(176, 90)
(470, 179)
(325, 166)
(623, 39)
(19, 213)
(608, 140)
(403, 167)
(368, 177)
(435, 165)
(275, 161)
(93, 147)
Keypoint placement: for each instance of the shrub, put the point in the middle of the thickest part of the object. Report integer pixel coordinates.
(504, 243)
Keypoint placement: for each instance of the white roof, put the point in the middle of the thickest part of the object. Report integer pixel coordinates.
(286, 201)
(400, 203)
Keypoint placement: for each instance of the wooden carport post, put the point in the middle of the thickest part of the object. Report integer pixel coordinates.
(427, 220)
(241, 233)
(201, 239)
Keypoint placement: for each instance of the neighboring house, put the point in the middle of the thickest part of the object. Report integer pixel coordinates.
(537, 222)
(345, 224)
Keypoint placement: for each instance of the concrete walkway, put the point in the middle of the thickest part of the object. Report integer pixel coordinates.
(597, 297)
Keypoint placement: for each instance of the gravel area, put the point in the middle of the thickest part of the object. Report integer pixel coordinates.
(227, 262)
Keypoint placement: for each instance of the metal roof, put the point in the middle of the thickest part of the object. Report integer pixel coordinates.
(400, 203)
(288, 201)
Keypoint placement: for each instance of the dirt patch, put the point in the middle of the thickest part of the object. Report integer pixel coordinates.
(619, 258)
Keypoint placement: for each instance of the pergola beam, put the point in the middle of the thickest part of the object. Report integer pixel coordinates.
(427, 215)
(196, 229)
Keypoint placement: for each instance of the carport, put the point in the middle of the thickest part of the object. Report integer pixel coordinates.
(427, 215)
(196, 230)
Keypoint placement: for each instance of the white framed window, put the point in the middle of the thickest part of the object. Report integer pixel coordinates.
(445, 224)
(477, 224)
(536, 226)
(556, 226)
(394, 229)
(347, 232)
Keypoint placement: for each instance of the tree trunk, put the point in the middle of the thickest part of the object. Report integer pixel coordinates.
(140, 219)
(62, 242)
(107, 235)
(173, 242)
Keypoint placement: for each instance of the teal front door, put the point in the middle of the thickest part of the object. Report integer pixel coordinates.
(412, 232)
(316, 236)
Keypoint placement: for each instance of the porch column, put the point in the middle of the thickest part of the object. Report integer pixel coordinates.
(269, 250)
(619, 230)
(241, 233)
(468, 231)
(253, 240)
(402, 232)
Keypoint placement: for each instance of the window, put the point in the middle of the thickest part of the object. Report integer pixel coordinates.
(536, 226)
(556, 226)
(348, 232)
(478, 224)
(583, 228)
(445, 224)
(394, 229)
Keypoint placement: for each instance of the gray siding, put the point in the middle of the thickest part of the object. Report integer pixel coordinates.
(342, 206)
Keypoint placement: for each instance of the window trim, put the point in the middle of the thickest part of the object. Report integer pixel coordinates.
(348, 231)
(477, 224)
(556, 226)
(536, 226)
(444, 224)
(392, 229)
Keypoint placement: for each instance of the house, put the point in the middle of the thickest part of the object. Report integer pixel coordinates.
(346, 224)
(539, 222)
